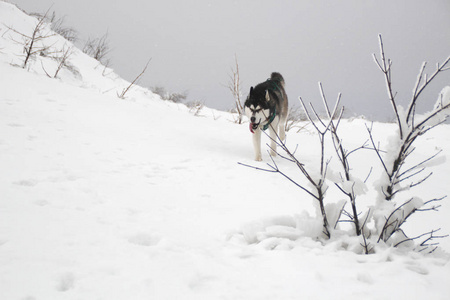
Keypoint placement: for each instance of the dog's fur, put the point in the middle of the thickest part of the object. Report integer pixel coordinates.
(266, 101)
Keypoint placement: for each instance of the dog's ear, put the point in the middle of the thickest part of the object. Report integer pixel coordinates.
(251, 91)
(267, 95)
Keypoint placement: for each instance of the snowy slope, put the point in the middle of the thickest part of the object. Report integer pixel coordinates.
(102, 198)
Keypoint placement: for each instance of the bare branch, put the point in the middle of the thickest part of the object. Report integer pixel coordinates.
(417, 91)
(424, 243)
(377, 151)
(124, 91)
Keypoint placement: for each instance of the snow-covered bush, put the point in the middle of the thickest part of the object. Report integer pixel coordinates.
(98, 48)
(169, 96)
(399, 174)
(382, 222)
(57, 24)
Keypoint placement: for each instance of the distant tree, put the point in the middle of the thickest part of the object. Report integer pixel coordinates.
(234, 85)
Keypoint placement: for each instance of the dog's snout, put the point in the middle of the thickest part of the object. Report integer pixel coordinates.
(252, 119)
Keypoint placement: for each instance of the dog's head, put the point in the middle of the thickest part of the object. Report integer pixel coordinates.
(257, 107)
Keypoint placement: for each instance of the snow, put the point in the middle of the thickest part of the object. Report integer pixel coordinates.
(104, 198)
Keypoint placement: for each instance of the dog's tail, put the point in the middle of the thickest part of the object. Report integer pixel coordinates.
(277, 77)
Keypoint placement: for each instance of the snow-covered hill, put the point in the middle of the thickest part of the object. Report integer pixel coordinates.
(104, 198)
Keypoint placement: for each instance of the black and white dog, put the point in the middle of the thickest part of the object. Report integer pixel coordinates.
(267, 107)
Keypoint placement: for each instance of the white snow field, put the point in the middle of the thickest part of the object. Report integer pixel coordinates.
(136, 198)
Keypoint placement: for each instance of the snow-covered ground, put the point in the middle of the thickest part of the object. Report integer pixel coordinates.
(104, 198)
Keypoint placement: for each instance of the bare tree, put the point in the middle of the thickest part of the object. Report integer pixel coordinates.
(234, 85)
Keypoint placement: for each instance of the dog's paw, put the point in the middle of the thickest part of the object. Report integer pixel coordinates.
(258, 158)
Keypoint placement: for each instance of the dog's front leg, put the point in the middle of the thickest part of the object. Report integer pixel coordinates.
(257, 144)
(282, 129)
(273, 139)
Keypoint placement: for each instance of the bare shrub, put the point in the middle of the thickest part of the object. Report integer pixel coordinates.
(57, 24)
(195, 107)
(34, 43)
(399, 175)
(295, 116)
(390, 211)
(98, 48)
(63, 59)
(169, 96)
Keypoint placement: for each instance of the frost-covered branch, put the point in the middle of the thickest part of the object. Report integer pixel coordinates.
(385, 67)
(426, 80)
(366, 235)
(348, 184)
(395, 179)
(425, 244)
(409, 129)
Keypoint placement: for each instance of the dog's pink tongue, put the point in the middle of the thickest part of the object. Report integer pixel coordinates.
(251, 128)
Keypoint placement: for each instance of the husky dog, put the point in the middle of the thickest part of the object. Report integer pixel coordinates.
(266, 107)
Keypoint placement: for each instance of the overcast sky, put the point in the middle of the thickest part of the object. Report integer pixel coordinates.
(192, 45)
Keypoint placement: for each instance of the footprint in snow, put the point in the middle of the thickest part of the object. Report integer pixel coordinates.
(26, 182)
(41, 202)
(418, 269)
(65, 282)
(144, 239)
(15, 125)
(364, 277)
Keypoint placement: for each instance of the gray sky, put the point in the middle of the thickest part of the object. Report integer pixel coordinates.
(192, 45)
